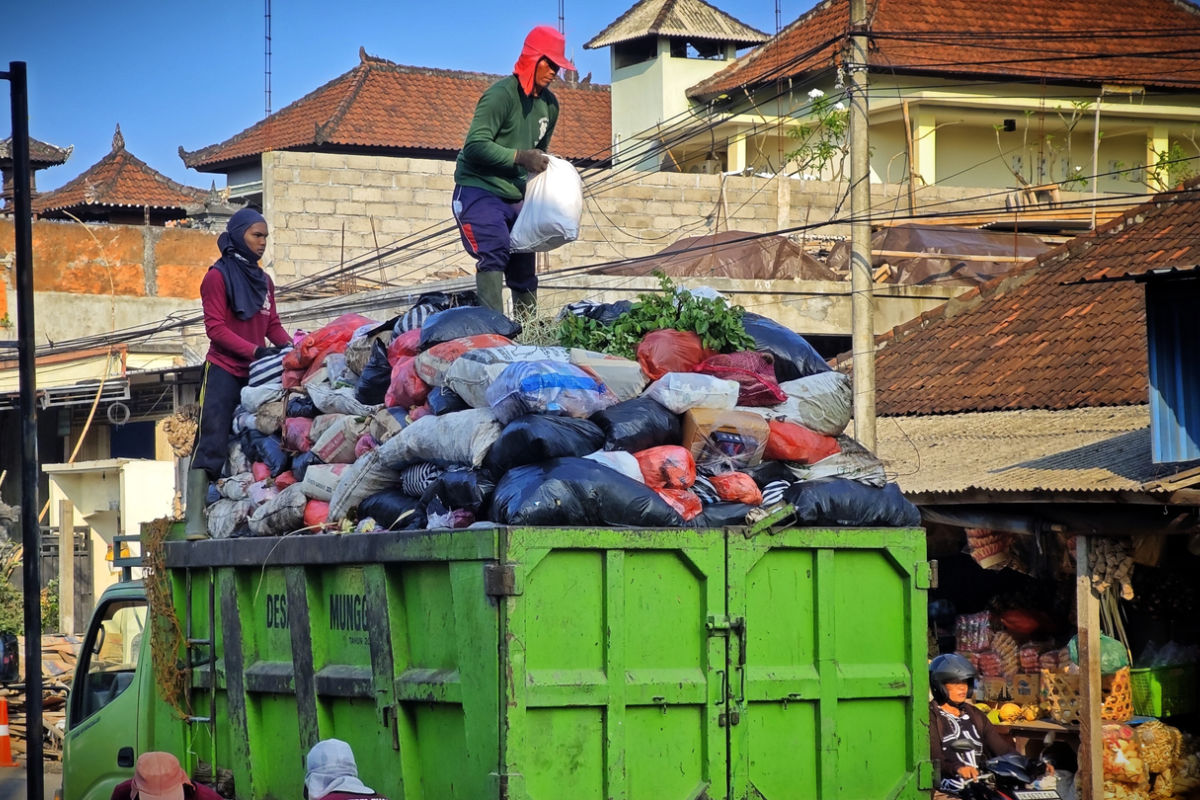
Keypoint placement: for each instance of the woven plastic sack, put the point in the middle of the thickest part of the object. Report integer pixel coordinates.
(546, 387)
(387, 422)
(336, 445)
(464, 437)
(236, 487)
(338, 401)
(433, 363)
(667, 466)
(226, 516)
(754, 373)
(683, 391)
(470, 375)
(553, 206)
(623, 377)
(269, 417)
(359, 481)
(295, 434)
(670, 350)
(254, 396)
(321, 479)
(283, 514)
(821, 402)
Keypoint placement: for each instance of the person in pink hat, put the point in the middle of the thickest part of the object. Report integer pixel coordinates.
(506, 143)
(158, 776)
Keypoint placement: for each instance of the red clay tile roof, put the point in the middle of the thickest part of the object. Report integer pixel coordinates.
(1144, 42)
(1037, 338)
(119, 179)
(40, 153)
(373, 107)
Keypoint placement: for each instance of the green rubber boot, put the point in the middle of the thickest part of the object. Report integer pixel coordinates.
(525, 305)
(195, 523)
(490, 288)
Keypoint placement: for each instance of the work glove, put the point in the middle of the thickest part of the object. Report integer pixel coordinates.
(263, 352)
(532, 160)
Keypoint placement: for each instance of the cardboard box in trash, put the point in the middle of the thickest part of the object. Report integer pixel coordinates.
(727, 439)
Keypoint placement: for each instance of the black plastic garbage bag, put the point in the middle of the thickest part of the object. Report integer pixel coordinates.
(637, 424)
(393, 510)
(721, 515)
(537, 437)
(577, 491)
(457, 323)
(273, 454)
(445, 401)
(843, 502)
(460, 487)
(301, 405)
(794, 356)
(376, 376)
(769, 472)
(605, 313)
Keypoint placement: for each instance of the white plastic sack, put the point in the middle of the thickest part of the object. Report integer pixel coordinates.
(283, 514)
(462, 437)
(360, 480)
(855, 463)
(225, 515)
(683, 391)
(321, 479)
(336, 445)
(338, 401)
(821, 402)
(254, 396)
(235, 487)
(470, 375)
(552, 210)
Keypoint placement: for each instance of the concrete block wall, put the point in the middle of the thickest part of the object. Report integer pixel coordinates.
(328, 211)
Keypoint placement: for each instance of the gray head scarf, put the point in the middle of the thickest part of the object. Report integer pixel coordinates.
(331, 768)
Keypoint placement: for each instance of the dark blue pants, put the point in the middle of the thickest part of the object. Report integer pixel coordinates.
(484, 223)
(220, 394)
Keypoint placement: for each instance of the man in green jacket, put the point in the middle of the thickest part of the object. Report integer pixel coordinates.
(506, 143)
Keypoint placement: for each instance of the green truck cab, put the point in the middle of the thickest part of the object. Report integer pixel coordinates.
(521, 663)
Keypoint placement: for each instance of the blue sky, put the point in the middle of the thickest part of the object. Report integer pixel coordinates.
(176, 73)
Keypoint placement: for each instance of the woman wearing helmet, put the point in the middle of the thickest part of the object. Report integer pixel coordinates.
(960, 734)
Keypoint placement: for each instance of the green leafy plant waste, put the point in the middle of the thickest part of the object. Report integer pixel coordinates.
(714, 320)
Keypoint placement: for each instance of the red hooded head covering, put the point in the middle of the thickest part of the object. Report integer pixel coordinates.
(542, 41)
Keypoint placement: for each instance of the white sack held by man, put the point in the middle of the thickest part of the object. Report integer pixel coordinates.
(552, 210)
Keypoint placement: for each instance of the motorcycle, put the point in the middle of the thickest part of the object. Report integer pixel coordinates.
(1005, 777)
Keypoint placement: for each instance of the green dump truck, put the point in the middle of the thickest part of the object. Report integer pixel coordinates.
(521, 663)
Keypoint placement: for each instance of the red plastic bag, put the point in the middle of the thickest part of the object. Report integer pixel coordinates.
(284, 479)
(668, 466)
(332, 338)
(737, 487)
(260, 471)
(433, 363)
(683, 501)
(791, 442)
(295, 435)
(364, 445)
(407, 389)
(404, 345)
(754, 372)
(670, 350)
(316, 512)
(293, 378)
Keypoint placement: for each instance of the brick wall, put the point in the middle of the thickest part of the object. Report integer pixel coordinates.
(326, 211)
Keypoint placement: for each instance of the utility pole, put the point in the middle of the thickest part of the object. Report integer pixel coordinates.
(31, 555)
(861, 279)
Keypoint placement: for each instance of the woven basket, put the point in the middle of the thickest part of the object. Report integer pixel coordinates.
(1060, 696)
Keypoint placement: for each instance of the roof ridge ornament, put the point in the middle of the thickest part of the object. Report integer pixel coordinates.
(118, 140)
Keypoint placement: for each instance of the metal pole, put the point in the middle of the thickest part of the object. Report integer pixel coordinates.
(861, 280)
(30, 534)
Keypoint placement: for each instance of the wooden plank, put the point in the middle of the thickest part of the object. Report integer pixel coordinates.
(951, 256)
(1087, 614)
(66, 566)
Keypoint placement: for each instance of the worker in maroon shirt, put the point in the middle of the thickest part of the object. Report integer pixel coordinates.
(239, 313)
(158, 776)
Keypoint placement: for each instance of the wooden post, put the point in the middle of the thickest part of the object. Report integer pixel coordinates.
(1087, 618)
(66, 566)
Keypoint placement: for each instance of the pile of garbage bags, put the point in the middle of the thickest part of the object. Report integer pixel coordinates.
(440, 418)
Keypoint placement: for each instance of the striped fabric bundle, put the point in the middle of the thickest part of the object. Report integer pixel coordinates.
(269, 370)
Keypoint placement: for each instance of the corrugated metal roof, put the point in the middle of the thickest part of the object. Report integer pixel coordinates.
(1078, 450)
(693, 19)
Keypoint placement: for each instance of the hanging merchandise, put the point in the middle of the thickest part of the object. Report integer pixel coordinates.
(990, 549)
(552, 209)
